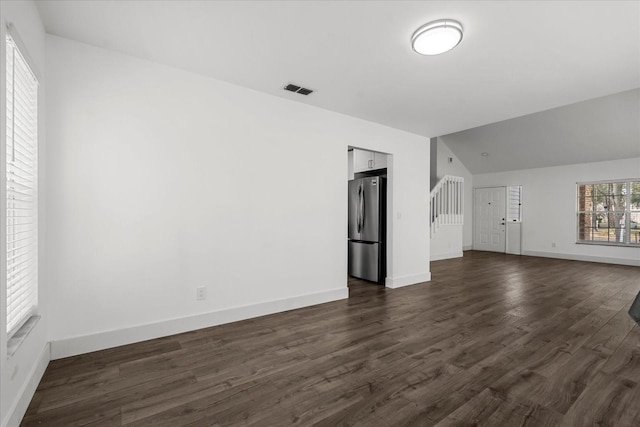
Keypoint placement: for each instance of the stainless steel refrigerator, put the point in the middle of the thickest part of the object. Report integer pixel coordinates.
(367, 228)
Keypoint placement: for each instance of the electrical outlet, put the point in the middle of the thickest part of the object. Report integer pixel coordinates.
(201, 293)
(553, 244)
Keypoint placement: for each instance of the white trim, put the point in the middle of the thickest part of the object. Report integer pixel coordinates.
(102, 340)
(450, 255)
(398, 282)
(588, 258)
(607, 181)
(20, 405)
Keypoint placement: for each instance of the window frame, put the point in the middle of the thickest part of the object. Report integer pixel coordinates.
(626, 213)
(510, 202)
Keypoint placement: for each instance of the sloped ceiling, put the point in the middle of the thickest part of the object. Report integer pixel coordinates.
(516, 58)
(606, 128)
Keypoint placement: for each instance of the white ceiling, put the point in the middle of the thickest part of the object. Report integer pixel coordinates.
(516, 58)
(605, 128)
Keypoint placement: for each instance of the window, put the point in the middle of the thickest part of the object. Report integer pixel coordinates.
(609, 212)
(21, 185)
(514, 208)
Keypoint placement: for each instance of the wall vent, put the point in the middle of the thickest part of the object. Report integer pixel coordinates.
(297, 89)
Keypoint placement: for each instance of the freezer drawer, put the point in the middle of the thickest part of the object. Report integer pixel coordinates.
(365, 261)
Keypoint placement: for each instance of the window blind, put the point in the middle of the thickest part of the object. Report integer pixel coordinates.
(514, 213)
(22, 191)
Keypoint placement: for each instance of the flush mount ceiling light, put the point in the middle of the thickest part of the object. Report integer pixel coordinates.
(437, 37)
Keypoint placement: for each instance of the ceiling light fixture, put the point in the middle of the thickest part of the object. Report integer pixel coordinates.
(484, 154)
(437, 37)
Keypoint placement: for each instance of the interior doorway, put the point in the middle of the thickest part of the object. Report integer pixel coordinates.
(367, 217)
(489, 219)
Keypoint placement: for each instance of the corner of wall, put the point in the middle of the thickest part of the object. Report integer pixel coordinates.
(399, 282)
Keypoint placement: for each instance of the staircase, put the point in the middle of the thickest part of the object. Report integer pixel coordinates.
(446, 218)
(447, 202)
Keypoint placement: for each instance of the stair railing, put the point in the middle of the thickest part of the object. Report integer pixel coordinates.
(447, 202)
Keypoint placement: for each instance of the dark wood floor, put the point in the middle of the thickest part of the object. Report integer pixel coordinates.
(493, 340)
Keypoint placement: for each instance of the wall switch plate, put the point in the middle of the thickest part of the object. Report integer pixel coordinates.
(201, 293)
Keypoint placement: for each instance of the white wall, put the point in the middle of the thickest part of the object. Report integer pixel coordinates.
(456, 168)
(549, 208)
(21, 372)
(446, 243)
(163, 180)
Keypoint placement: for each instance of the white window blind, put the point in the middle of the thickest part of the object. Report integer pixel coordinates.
(514, 213)
(22, 192)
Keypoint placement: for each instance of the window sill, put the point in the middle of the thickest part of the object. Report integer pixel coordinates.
(619, 245)
(21, 334)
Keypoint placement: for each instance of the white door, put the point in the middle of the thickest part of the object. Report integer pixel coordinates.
(489, 219)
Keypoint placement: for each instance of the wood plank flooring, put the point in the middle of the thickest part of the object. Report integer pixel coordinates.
(492, 340)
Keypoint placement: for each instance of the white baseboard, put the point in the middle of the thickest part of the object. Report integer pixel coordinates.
(398, 282)
(19, 408)
(588, 258)
(438, 257)
(467, 248)
(102, 340)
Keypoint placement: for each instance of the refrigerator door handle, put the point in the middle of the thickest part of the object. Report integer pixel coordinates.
(360, 208)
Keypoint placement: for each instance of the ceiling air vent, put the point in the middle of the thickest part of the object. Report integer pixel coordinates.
(298, 89)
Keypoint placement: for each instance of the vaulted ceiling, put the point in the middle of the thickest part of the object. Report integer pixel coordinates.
(605, 128)
(516, 58)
